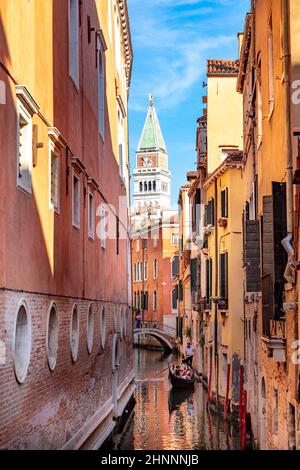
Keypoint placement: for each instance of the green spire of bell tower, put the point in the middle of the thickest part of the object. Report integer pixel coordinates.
(152, 139)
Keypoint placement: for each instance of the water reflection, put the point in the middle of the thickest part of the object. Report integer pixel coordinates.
(164, 419)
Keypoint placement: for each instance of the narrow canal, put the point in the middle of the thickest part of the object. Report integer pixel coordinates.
(167, 420)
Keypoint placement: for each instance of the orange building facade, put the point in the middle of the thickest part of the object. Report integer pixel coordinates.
(154, 271)
(65, 317)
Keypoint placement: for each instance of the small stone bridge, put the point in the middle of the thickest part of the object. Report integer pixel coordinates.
(165, 334)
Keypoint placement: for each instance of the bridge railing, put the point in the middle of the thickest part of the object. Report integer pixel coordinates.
(168, 330)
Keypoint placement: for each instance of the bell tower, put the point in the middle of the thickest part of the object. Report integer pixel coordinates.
(152, 178)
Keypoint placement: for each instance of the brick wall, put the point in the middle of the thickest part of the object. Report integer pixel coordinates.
(50, 407)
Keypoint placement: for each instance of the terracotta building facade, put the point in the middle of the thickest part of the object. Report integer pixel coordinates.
(66, 365)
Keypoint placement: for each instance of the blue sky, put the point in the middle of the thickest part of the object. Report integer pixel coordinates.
(172, 40)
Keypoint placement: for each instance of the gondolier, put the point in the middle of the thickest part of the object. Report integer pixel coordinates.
(189, 354)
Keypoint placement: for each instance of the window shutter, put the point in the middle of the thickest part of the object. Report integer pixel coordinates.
(194, 270)
(224, 275)
(223, 203)
(268, 236)
(252, 255)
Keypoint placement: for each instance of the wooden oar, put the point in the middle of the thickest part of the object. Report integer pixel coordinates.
(160, 372)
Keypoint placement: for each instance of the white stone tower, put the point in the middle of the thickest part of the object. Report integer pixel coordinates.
(152, 178)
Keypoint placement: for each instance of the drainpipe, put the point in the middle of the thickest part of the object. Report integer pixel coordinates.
(216, 292)
(253, 60)
(290, 275)
(286, 242)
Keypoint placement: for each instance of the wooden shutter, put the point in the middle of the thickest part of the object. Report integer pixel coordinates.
(194, 270)
(224, 275)
(224, 203)
(252, 255)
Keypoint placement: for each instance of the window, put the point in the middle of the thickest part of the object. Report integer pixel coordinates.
(74, 334)
(155, 241)
(224, 203)
(52, 337)
(154, 185)
(146, 270)
(101, 90)
(121, 139)
(224, 275)
(22, 343)
(271, 65)
(137, 245)
(175, 238)
(164, 187)
(208, 282)
(145, 300)
(102, 328)
(91, 209)
(175, 266)
(155, 269)
(150, 186)
(90, 330)
(210, 213)
(74, 41)
(141, 186)
(24, 145)
(54, 178)
(76, 201)
(136, 272)
(174, 300)
(103, 227)
(140, 270)
(145, 186)
(155, 300)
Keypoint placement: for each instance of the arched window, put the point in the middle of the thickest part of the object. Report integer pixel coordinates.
(22, 343)
(52, 337)
(154, 185)
(145, 186)
(141, 186)
(90, 330)
(102, 328)
(155, 300)
(175, 266)
(74, 333)
(101, 90)
(155, 269)
(150, 186)
(174, 300)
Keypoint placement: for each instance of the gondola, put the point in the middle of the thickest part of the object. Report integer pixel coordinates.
(180, 382)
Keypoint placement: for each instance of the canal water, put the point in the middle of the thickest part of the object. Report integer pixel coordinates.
(167, 420)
